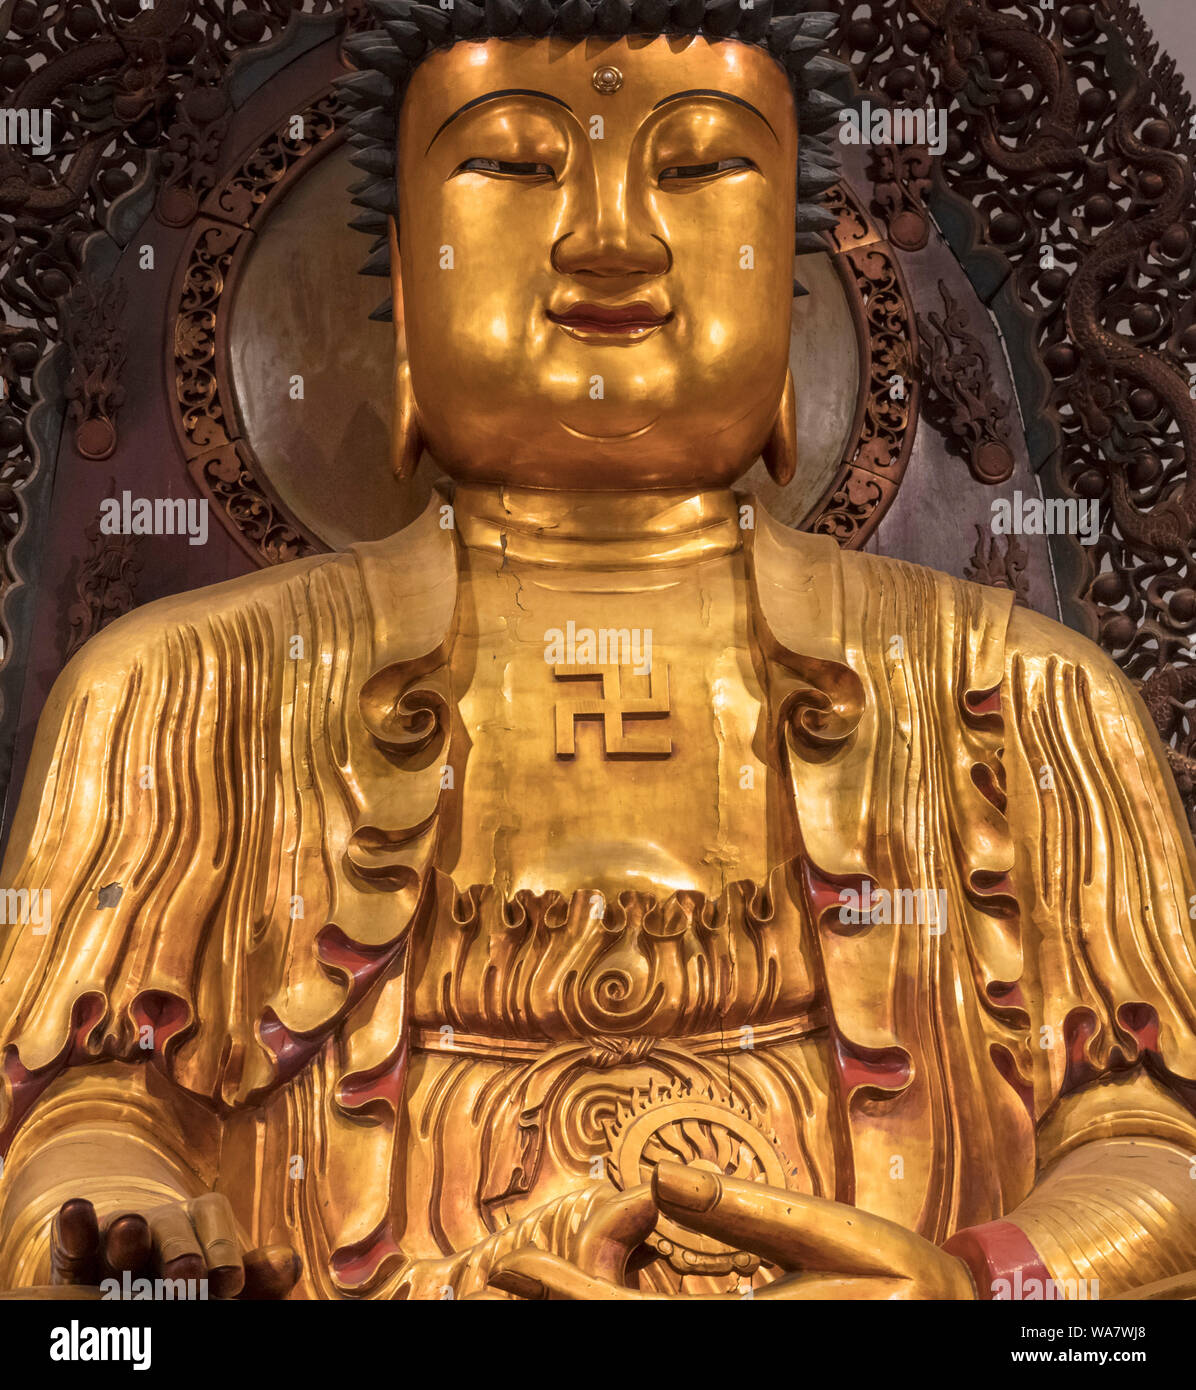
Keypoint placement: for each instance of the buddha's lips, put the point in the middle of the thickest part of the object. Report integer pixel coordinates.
(625, 321)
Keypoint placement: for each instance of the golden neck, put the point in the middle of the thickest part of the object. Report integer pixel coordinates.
(598, 530)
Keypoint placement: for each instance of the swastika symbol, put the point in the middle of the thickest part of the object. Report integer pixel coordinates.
(613, 707)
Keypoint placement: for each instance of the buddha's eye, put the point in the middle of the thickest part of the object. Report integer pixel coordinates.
(507, 169)
(704, 171)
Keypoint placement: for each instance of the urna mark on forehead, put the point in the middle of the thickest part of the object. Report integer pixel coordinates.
(409, 34)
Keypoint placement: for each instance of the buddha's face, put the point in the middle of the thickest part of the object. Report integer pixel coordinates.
(596, 285)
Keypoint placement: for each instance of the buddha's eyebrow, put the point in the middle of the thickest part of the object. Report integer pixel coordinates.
(496, 96)
(722, 96)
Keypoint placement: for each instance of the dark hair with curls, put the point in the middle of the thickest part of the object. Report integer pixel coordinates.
(387, 56)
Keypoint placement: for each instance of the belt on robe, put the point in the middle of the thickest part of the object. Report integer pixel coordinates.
(619, 1050)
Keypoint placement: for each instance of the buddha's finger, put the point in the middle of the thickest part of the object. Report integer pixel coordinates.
(790, 1229)
(214, 1223)
(75, 1244)
(535, 1274)
(613, 1230)
(179, 1253)
(128, 1244)
(271, 1272)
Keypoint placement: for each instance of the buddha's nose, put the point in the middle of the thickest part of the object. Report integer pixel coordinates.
(607, 231)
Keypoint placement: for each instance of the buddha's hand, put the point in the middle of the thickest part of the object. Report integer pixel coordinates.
(825, 1249)
(195, 1239)
(597, 1250)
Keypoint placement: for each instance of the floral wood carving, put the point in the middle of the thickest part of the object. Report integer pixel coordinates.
(1002, 566)
(901, 180)
(883, 440)
(96, 343)
(106, 585)
(219, 459)
(959, 395)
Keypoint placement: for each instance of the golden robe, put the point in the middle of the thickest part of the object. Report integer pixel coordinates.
(254, 775)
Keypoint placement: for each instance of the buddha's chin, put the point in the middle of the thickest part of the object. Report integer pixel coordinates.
(640, 460)
(635, 448)
(603, 470)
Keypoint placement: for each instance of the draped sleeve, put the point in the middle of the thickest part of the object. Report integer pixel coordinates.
(1105, 863)
(201, 784)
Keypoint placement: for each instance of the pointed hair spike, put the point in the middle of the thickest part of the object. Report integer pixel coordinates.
(379, 262)
(575, 17)
(407, 39)
(813, 183)
(375, 51)
(687, 14)
(799, 290)
(821, 71)
(358, 47)
(649, 16)
(468, 19)
(801, 51)
(502, 18)
(816, 149)
(384, 313)
(820, 148)
(818, 24)
(811, 218)
(378, 125)
(366, 90)
(721, 17)
(378, 195)
(371, 223)
(807, 243)
(432, 23)
(613, 16)
(754, 21)
(817, 112)
(376, 160)
(782, 30)
(537, 17)
(384, 10)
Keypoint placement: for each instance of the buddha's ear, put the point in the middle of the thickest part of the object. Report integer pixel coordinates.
(407, 443)
(780, 453)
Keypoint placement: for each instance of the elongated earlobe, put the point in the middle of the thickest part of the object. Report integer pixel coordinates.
(407, 441)
(780, 453)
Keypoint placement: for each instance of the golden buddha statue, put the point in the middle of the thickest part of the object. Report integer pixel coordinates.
(598, 890)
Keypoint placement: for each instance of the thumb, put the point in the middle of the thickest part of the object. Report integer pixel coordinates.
(271, 1272)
